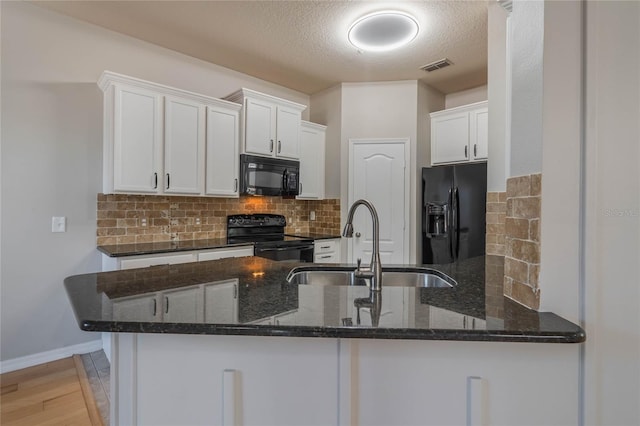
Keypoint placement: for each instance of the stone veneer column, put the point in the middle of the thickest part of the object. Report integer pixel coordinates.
(522, 240)
(496, 214)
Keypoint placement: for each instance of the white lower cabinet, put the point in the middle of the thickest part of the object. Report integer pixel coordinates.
(473, 383)
(145, 261)
(239, 380)
(250, 380)
(326, 251)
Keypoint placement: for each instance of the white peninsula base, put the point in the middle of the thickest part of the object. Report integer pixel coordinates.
(164, 379)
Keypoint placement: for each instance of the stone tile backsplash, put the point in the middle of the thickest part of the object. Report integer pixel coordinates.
(522, 240)
(496, 215)
(125, 219)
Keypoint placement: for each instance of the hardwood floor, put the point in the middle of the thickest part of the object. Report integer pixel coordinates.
(55, 393)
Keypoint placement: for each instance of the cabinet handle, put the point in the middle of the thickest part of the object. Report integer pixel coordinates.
(166, 309)
(235, 185)
(271, 146)
(464, 322)
(325, 257)
(466, 149)
(235, 291)
(155, 181)
(168, 180)
(300, 188)
(279, 147)
(155, 305)
(475, 150)
(324, 247)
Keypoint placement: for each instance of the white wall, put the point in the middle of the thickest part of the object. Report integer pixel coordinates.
(526, 114)
(326, 108)
(497, 164)
(380, 110)
(429, 100)
(612, 278)
(560, 263)
(51, 162)
(465, 97)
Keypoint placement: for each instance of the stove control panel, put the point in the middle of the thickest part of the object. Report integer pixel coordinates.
(257, 220)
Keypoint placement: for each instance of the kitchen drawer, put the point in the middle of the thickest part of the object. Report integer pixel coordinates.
(326, 258)
(151, 260)
(226, 252)
(326, 251)
(326, 246)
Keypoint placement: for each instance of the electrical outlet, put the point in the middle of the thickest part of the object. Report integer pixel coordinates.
(312, 215)
(58, 224)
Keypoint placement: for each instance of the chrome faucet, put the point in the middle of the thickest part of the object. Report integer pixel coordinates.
(374, 272)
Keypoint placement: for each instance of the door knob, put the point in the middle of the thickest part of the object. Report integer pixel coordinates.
(357, 235)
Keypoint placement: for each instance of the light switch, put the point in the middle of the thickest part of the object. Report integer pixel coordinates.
(59, 224)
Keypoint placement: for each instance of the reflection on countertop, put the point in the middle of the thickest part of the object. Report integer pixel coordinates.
(251, 296)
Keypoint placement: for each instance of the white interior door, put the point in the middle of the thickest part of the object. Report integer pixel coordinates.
(378, 174)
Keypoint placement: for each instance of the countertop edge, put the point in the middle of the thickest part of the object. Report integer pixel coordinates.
(576, 336)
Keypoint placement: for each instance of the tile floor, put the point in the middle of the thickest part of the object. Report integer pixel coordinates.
(98, 368)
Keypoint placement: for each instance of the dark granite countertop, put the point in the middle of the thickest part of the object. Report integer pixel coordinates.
(251, 296)
(121, 250)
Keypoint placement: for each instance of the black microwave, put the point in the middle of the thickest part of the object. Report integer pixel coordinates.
(268, 176)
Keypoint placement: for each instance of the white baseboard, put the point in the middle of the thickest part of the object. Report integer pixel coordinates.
(48, 356)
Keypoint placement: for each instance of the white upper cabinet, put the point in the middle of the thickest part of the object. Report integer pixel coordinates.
(160, 140)
(312, 154)
(271, 126)
(479, 133)
(133, 124)
(460, 134)
(223, 139)
(184, 135)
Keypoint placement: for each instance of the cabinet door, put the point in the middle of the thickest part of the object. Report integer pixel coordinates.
(146, 261)
(479, 133)
(143, 308)
(312, 148)
(221, 302)
(450, 138)
(288, 131)
(137, 140)
(260, 127)
(222, 152)
(278, 381)
(183, 146)
(184, 305)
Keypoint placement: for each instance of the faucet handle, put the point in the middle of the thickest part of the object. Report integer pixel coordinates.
(358, 262)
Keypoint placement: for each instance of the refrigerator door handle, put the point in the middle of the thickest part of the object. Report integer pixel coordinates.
(456, 230)
(448, 220)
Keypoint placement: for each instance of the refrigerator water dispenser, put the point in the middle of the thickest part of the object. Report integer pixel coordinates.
(437, 220)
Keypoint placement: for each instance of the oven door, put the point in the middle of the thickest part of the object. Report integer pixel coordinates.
(289, 252)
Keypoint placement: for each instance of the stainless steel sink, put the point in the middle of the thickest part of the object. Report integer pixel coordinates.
(391, 277)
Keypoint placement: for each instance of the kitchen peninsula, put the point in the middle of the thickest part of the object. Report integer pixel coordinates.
(179, 364)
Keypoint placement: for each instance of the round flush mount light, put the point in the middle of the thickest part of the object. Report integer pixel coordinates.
(383, 31)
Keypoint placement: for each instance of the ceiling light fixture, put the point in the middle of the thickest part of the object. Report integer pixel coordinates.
(383, 31)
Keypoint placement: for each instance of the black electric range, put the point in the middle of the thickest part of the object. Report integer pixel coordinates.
(266, 232)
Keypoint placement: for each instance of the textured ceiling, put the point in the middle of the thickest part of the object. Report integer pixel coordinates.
(303, 44)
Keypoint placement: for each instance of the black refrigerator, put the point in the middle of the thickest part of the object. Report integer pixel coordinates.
(454, 200)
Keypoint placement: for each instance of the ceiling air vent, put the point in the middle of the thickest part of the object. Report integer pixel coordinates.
(436, 65)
